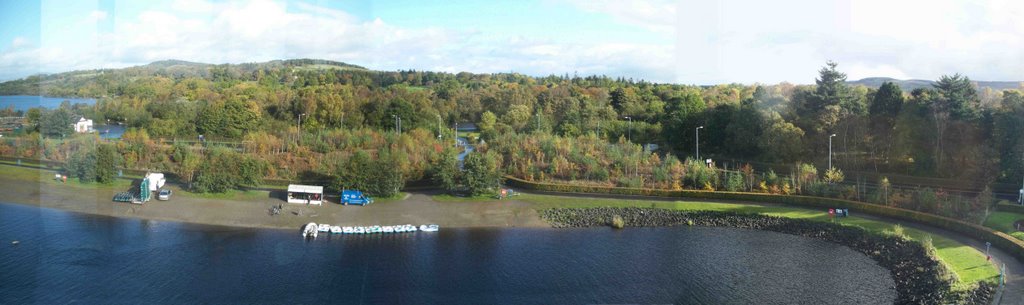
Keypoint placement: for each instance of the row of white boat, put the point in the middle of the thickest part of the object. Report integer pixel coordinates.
(312, 229)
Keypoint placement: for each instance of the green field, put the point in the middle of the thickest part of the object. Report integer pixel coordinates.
(969, 264)
(1003, 221)
(47, 177)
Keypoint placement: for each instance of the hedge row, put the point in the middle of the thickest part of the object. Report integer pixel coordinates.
(1005, 242)
(1012, 208)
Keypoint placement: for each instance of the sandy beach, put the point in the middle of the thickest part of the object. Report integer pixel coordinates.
(253, 211)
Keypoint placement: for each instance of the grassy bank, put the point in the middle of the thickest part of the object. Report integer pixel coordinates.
(969, 264)
(1003, 221)
(47, 177)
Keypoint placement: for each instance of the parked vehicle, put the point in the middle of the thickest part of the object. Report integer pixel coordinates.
(165, 194)
(354, 197)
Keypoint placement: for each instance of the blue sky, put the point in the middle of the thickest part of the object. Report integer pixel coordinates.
(679, 41)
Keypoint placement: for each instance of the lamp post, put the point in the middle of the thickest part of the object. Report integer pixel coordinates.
(697, 141)
(830, 150)
(398, 123)
(298, 139)
(438, 127)
(629, 130)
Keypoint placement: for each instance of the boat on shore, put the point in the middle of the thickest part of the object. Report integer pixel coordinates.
(310, 230)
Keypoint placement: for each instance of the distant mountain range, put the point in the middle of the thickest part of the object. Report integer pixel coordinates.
(304, 62)
(911, 84)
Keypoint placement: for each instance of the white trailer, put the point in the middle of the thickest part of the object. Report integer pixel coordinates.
(156, 181)
(307, 194)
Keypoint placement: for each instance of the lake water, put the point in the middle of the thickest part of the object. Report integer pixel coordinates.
(24, 102)
(109, 131)
(66, 257)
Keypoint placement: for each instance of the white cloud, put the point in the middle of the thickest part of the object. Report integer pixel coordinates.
(659, 15)
(193, 6)
(96, 15)
(704, 42)
(19, 42)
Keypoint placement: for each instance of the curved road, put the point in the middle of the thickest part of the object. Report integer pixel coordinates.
(1012, 293)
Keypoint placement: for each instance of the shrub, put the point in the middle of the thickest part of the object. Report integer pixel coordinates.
(618, 222)
(735, 182)
(834, 175)
(633, 181)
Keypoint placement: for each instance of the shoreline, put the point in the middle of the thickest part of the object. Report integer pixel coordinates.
(253, 210)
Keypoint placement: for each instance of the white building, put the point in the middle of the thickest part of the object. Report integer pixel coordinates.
(83, 125)
(308, 194)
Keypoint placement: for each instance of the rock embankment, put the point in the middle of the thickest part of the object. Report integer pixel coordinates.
(919, 277)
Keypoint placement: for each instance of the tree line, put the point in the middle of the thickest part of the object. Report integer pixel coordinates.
(314, 117)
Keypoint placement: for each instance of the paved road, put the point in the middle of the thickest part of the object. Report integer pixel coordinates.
(1013, 292)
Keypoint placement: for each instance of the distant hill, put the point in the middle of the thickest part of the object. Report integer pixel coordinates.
(911, 84)
(174, 62)
(66, 84)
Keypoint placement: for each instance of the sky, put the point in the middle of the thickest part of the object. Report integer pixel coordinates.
(669, 41)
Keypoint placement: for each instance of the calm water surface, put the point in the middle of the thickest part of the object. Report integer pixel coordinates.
(65, 257)
(24, 102)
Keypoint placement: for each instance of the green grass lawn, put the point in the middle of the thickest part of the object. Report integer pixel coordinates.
(46, 177)
(1003, 221)
(397, 197)
(968, 263)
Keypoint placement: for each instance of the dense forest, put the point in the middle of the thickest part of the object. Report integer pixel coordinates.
(295, 118)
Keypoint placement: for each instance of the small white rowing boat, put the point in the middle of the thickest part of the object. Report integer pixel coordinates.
(310, 230)
(335, 230)
(429, 228)
(387, 229)
(324, 228)
(348, 230)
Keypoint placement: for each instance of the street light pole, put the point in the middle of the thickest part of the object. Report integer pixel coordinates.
(629, 130)
(830, 150)
(398, 123)
(438, 127)
(697, 141)
(299, 138)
